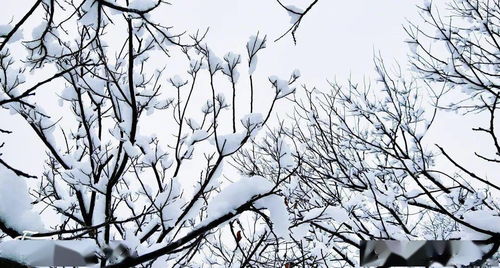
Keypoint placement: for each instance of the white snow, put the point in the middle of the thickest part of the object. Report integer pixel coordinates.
(196, 136)
(254, 44)
(282, 87)
(252, 65)
(170, 203)
(91, 13)
(236, 194)
(130, 149)
(229, 143)
(232, 60)
(16, 211)
(286, 154)
(142, 4)
(277, 213)
(292, 12)
(38, 30)
(412, 45)
(178, 81)
(242, 191)
(214, 62)
(252, 120)
(171, 212)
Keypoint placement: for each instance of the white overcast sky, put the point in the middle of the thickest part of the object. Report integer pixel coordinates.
(336, 40)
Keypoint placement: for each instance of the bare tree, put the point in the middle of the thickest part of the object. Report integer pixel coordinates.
(350, 163)
(367, 169)
(107, 179)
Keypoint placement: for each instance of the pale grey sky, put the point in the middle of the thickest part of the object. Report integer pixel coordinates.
(337, 39)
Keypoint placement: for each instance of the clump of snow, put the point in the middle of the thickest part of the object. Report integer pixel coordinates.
(171, 212)
(319, 250)
(170, 203)
(252, 65)
(338, 214)
(232, 60)
(90, 11)
(166, 163)
(131, 150)
(277, 213)
(62, 204)
(252, 122)
(294, 13)
(286, 159)
(254, 44)
(38, 30)
(282, 87)
(214, 63)
(237, 194)
(96, 84)
(16, 211)
(196, 136)
(178, 81)
(242, 191)
(230, 143)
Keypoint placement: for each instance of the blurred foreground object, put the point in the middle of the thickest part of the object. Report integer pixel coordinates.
(426, 253)
(50, 252)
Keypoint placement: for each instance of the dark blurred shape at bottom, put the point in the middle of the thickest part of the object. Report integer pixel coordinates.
(385, 253)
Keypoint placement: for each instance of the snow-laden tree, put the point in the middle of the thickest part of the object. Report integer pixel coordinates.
(106, 177)
(367, 168)
(138, 137)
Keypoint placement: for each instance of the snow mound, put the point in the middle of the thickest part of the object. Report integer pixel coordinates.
(16, 211)
(242, 191)
(236, 194)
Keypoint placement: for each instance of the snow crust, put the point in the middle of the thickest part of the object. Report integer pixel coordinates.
(242, 191)
(236, 194)
(15, 205)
